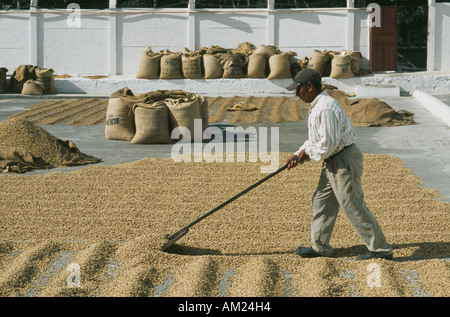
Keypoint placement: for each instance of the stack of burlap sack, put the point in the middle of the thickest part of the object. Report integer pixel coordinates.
(28, 80)
(337, 64)
(150, 118)
(246, 61)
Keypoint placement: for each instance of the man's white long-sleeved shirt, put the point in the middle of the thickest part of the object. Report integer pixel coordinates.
(329, 128)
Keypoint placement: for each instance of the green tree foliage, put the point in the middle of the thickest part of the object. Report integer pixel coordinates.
(204, 4)
(152, 4)
(200, 4)
(412, 26)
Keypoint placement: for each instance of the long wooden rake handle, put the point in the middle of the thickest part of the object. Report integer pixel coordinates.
(183, 231)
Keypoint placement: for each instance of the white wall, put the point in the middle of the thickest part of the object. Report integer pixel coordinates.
(110, 42)
(228, 30)
(73, 50)
(135, 31)
(14, 40)
(442, 37)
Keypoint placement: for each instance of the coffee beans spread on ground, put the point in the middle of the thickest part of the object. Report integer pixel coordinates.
(98, 231)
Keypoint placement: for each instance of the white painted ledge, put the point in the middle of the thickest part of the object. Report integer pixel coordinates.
(431, 82)
(434, 83)
(106, 86)
(377, 90)
(434, 105)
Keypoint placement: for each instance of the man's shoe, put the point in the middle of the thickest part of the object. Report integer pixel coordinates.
(374, 255)
(307, 252)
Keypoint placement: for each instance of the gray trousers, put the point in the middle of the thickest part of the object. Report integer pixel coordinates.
(340, 186)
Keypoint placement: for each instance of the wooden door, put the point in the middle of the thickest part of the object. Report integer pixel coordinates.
(383, 41)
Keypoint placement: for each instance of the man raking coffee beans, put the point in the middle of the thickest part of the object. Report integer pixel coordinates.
(331, 140)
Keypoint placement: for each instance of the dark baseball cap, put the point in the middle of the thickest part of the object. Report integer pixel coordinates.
(307, 75)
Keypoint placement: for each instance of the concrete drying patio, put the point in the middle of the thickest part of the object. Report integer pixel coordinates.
(424, 147)
(237, 255)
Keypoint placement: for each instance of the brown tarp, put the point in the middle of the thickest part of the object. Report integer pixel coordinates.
(371, 112)
(18, 160)
(68, 154)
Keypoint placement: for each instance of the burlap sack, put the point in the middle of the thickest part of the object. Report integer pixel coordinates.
(237, 59)
(204, 112)
(149, 65)
(327, 67)
(290, 55)
(257, 66)
(33, 87)
(130, 99)
(318, 61)
(191, 66)
(231, 70)
(3, 82)
(182, 113)
(298, 65)
(177, 94)
(152, 123)
(304, 62)
(148, 97)
(214, 49)
(279, 66)
(341, 67)
(244, 48)
(355, 60)
(119, 123)
(267, 50)
(212, 67)
(234, 65)
(122, 92)
(171, 66)
(20, 76)
(45, 76)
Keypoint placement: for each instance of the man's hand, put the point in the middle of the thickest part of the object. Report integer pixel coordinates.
(294, 160)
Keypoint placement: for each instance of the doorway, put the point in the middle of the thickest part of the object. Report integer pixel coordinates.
(399, 43)
(383, 41)
(412, 38)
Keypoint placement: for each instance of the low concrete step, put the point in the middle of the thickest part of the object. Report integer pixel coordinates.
(377, 90)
